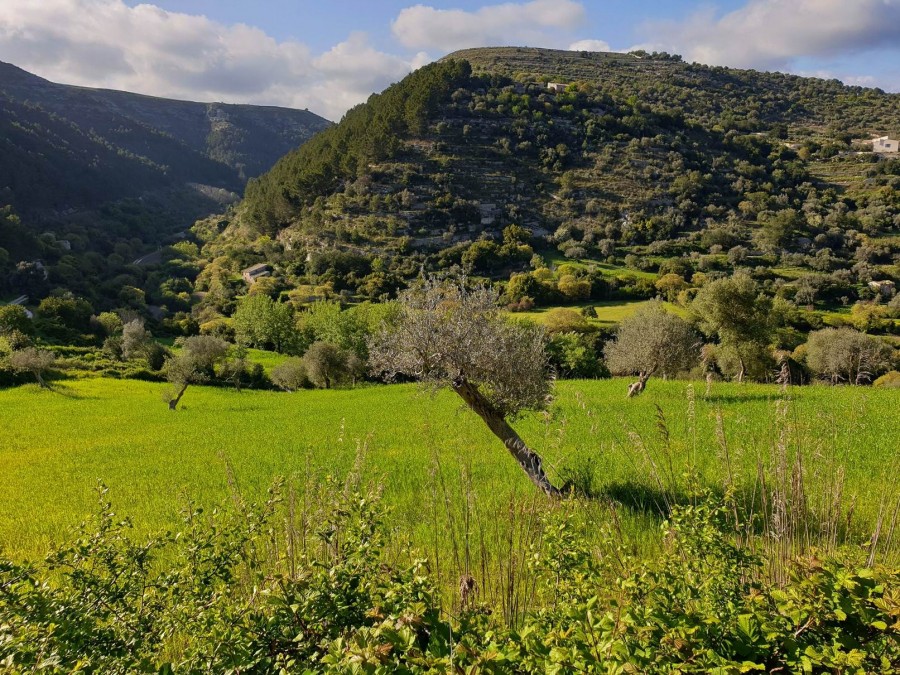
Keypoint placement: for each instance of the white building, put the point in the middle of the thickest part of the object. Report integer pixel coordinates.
(885, 144)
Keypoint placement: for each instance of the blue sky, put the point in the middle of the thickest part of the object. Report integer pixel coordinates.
(328, 56)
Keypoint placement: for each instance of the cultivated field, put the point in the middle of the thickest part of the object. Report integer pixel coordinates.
(454, 491)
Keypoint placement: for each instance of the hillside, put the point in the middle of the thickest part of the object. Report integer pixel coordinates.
(631, 160)
(69, 147)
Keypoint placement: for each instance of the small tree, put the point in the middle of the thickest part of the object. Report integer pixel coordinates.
(327, 364)
(237, 369)
(14, 318)
(135, 339)
(846, 355)
(738, 314)
(259, 321)
(109, 323)
(34, 361)
(194, 365)
(652, 341)
(290, 375)
(453, 336)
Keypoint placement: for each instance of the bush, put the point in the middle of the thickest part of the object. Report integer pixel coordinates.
(291, 375)
(846, 355)
(327, 364)
(211, 598)
(890, 380)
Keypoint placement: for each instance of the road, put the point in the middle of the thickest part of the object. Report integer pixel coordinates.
(21, 300)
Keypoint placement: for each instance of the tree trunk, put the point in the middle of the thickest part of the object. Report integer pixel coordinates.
(637, 388)
(742, 371)
(173, 403)
(529, 461)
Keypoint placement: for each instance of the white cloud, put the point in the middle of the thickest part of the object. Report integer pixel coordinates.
(590, 46)
(106, 43)
(773, 33)
(537, 23)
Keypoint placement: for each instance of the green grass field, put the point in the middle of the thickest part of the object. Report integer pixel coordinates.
(439, 466)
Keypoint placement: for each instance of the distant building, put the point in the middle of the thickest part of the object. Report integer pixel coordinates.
(255, 272)
(885, 144)
(556, 86)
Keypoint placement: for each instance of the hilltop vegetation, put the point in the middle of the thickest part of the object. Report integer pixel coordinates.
(632, 162)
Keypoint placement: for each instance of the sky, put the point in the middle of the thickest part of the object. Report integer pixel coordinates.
(330, 55)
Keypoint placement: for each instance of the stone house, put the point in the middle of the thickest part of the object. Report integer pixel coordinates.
(254, 272)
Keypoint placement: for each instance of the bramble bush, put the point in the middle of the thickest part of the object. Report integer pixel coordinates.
(239, 590)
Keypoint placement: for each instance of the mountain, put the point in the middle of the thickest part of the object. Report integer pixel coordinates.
(70, 148)
(603, 157)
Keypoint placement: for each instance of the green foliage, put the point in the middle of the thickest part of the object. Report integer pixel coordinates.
(738, 314)
(368, 133)
(212, 597)
(846, 355)
(13, 318)
(261, 322)
(575, 355)
(327, 365)
(702, 607)
(291, 375)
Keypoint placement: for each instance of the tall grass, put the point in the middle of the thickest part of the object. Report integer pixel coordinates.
(804, 468)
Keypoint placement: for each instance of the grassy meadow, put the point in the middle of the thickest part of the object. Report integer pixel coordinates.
(456, 495)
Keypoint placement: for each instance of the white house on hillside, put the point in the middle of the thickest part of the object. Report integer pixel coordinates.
(885, 144)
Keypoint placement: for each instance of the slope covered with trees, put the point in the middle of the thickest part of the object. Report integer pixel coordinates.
(71, 147)
(625, 151)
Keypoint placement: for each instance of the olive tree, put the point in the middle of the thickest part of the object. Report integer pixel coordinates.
(135, 339)
(652, 341)
(290, 374)
(846, 355)
(193, 365)
(327, 364)
(449, 335)
(34, 361)
(735, 311)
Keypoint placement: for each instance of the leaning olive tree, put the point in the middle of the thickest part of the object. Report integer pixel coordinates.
(450, 335)
(193, 365)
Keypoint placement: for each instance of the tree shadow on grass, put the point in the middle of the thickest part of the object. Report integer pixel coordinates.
(642, 499)
(66, 391)
(740, 398)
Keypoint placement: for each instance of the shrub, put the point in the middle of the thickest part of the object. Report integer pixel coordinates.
(212, 598)
(846, 355)
(890, 380)
(327, 364)
(291, 375)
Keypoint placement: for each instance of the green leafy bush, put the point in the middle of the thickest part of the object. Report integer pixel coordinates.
(230, 593)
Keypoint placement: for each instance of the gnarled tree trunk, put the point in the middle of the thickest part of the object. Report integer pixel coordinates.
(529, 461)
(174, 401)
